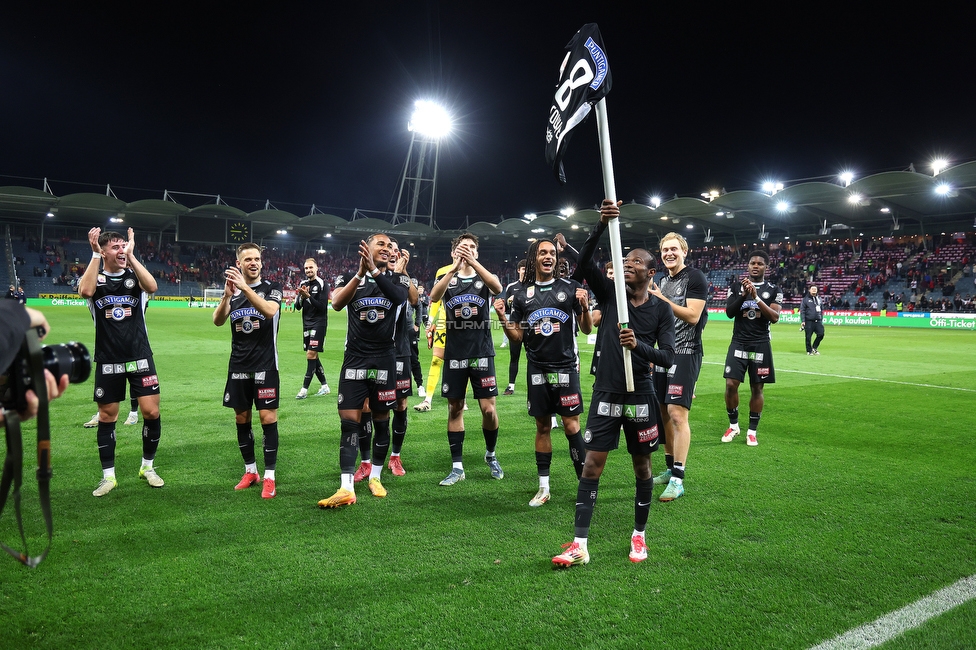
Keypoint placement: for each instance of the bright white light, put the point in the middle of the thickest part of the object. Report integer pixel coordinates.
(655, 201)
(538, 230)
(574, 227)
(567, 212)
(115, 220)
(282, 232)
(846, 178)
(855, 198)
(689, 226)
(328, 235)
(938, 165)
(50, 214)
(530, 216)
(320, 251)
(429, 119)
(720, 213)
(943, 189)
(885, 210)
(664, 218)
(782, 206)
(772, 187)
(530, 239)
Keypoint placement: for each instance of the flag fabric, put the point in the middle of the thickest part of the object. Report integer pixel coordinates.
(584, 79)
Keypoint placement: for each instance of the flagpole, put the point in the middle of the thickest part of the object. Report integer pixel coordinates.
(616, 250)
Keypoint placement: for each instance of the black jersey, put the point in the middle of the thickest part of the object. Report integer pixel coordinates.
(372, 314)
(548, 314)
(687, 283)
(652, 322)
(404, 319)
(118, 308)
(750, 325)
(465, 305)
(508, 294)
(254, 338)
(315, 308)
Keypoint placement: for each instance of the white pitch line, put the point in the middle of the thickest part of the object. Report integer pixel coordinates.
(909, 617)
(884, 381)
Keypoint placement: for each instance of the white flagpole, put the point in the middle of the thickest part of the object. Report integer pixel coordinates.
(616, 250)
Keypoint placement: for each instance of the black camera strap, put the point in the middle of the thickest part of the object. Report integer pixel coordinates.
(14, 461)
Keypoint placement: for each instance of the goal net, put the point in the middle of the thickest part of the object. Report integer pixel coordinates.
(211, 297)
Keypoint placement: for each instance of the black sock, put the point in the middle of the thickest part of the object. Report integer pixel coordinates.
(399, 430)
(320, 372)
(733, 415)
(381, 440)
(669, 461)
(348, 445)
(245, 440)
(585, 500)
(106, 444)
(270, 445)
(491, 439)
(577, 452)
(150, 438)
(642, 503)
(134, 404)
(456, 441)
(678, 471)
(542, 462)
(754, 420)
(310, 367)
(365, 436)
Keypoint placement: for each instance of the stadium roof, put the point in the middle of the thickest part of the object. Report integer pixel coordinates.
(896, 202)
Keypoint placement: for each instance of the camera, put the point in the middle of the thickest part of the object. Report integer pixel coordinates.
(70, 359)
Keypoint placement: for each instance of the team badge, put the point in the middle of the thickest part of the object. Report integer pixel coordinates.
(99, 392)
(561, 296)
(445, 388)
(226, 397)
(588, 436)
(765, 295)
(479, 284)
(530, 291)
(247, 326)
(372, 316)
(129, 283)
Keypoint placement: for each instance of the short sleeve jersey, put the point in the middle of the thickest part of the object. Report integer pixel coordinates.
(466, 310)
(372, 318)
(750, 325)
(687, 283)
(254, 337)
(118, 307)
(315, 309)
(404, 320)
(509, 294)
(548, 314)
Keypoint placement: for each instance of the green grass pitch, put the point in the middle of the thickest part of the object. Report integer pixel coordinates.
(860, 499)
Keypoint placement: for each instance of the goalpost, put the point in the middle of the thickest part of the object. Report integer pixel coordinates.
(211, 297)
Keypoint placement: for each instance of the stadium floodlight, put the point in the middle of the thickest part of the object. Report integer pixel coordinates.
(846, 178)
(855, 199)
(938, 165)
(720, 213)
(281, 232)
(711, 195)
(320, 251)
(429, 119)
(885, 210)
(115, 220)
(655, 201)
(567, 212)
(574, 227)
(529, 216)
(783, 206)
(944, 189)
(664, 218)
(689, 227)
(772, 187)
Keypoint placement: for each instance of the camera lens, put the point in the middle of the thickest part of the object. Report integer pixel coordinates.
(70, 359)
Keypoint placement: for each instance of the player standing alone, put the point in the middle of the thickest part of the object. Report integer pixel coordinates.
(253, 307)
(544, 317)
(117, 299)
(753, 304)
(313, 302)
(466, 289)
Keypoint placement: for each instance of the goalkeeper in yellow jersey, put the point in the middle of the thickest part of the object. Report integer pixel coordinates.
(436, 338)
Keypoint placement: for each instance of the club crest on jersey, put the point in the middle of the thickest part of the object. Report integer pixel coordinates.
(372, 315)
(129, 283)
(765, 295)
(561, 296)
(530, 292)
(118, 313)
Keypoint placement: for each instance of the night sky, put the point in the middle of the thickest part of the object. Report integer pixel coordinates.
(305, 103)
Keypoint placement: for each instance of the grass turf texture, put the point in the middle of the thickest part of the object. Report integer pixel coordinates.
(859, 500)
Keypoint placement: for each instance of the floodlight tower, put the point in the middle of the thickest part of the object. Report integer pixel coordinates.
(428, 125)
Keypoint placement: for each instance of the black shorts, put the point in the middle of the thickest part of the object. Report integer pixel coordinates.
(313, 339)
(404, 385)
(259, 388)
(637, 413)
(553, 392)
(676, 385)
(757, 358)
(457, 373)
(373, 379)
(111, 378)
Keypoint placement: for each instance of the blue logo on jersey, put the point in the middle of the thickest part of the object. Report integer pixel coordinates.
(244, 312)
(466, 298)
(101, 303)
(363, 303)
(547, 312)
